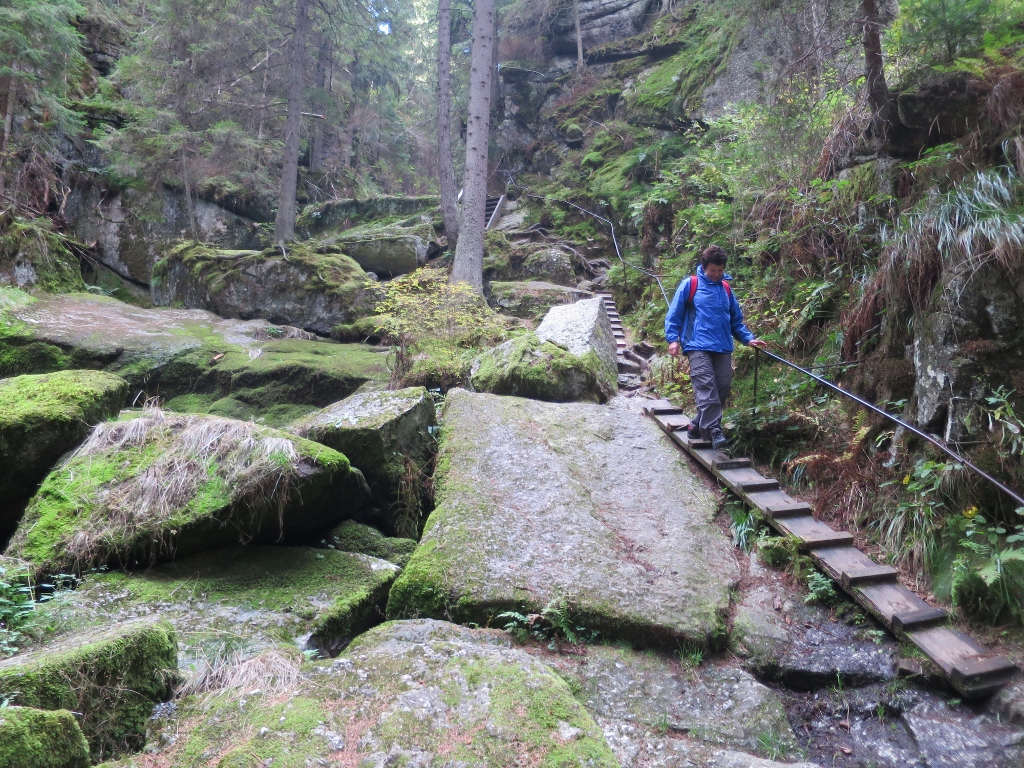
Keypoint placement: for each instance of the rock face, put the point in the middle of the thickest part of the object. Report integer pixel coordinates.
(601, 21)
(388, 435)
(311, 290)
(112, 677)
(35, 738)
(528, 367)
(531, 300)
(134, 226)
(198, 361)
(43, 417)
(538, 503)
(265, 598)
(583, 328)
(146, 488)
(421, 693)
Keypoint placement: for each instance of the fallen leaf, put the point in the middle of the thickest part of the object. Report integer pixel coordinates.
(846, 750)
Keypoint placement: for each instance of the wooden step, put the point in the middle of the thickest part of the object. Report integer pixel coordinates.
(919, 619)
(657, 407)
(791, 509)
(870, 575)
(748, 480)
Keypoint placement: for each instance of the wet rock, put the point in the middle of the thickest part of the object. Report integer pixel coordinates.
(1008, 702)
(531, 299)
(586, 504)
(583, 328)
(144, 489)
(552, 265)
(351, 536)
(35, 738)
(194, 359)
(718, 705)
(41, 418)
(113, 677)
(528, 367)
(305, 288)
(957, 741)
(759, 631)
(422, 693)
(388, 435)
(260, 597)
(347, 213)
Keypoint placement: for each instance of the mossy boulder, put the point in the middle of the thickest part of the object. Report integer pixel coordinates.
(584, 504)
(35, 257)
(310, 287)
(583, 328)
(351, 536)
(552, 265)
(158, 484)
(365, 330)
(113, 677)
(43, 417)
(422, 693)
(528, 367)
(347, 213)
(531, 300)
(263, 598)
(387, 250)
(244, 369)
(37, 738)
(388, 435)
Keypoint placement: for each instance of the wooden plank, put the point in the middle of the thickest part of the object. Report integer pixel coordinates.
(748, 480)
(791, 509)
(831, 539)
(673, 421)
(946, 646)
(764, 500)
(727, 462)
(905, 621)
(838, 560)
(887, 600)
(655, 407)
(870, 575)
(804, 527)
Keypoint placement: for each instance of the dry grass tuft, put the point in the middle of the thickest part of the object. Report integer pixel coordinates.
(271, 671)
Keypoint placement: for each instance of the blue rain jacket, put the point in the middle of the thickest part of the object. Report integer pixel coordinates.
(710, 322)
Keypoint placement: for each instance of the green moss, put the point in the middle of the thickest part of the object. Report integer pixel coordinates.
(351, 536)
(421, 589)
(529, 367)
(32, 244)
(217, 487)
(365, 329)
(113, 678)
(34, 738)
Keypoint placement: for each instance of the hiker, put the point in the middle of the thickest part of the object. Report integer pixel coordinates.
(701, 323)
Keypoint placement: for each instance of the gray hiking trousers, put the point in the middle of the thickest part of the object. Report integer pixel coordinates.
(711, 377)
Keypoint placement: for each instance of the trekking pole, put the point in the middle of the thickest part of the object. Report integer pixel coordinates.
(757, 361)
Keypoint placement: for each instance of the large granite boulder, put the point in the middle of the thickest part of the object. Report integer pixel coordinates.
(531, 300)
(111, 677)
(37, 738)
(583, 328)
(528, 367)
(155, 485)
(307, 288)
(131, 228)
(552, 265)
(268, 600)
(388, 435)
(194, 359)
(348, 213)
(419, 693)
(387, 250)
(586, 505)
(41, 418)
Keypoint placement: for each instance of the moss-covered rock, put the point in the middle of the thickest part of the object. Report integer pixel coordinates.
(345, 214)
(537, 503)
(36, 738)
(311, 287)
(387, 250)
(422, 693)
(244, 369)
(43, 417)
(583, 328)
(351, 536)
(365, 330)
(552, 265)
(35, 257)
(528, 367)
(532, 299)
(113, 677)
(150, 486)
(388, 436)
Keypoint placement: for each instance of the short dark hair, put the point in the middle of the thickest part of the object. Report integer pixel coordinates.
(713, 254)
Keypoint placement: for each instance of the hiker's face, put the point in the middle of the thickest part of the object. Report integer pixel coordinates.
(714, 272)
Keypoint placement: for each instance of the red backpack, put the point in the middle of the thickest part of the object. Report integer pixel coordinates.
(693, 289)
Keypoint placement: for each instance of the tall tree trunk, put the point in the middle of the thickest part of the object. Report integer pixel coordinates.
(446, 167)
(284, 226)
(878, 92)
(468, 266)
(318, 134)
(5, 139)
(579, 36)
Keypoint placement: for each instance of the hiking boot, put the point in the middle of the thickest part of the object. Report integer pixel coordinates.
(693, 431)
(718, 440)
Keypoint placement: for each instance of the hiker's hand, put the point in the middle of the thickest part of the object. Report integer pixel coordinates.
(673, 349)
(756, 343)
